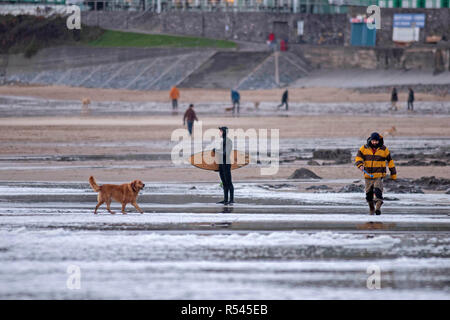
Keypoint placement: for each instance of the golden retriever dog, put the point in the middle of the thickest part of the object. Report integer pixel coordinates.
(124, 193)
(390, 132)
(86, 101)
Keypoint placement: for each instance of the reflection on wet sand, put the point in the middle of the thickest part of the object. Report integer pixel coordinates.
(371, 225)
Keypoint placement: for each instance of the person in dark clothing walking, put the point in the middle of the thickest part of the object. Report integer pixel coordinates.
(394, 99)
(235, 99)
(284, 100)
(223, 158)
(190, 116)
(410, 99)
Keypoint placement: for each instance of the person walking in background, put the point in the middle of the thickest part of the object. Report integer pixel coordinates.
(223, 157)
(235, 99)
(410, 99)
(174, 96)
(371, 159)
(190, 117)
(284, 99)
(394, 99)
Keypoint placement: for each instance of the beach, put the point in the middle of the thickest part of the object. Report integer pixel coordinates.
(284, 238)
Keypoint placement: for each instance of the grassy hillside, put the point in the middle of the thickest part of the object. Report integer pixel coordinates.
(28, 34)
(129, 39)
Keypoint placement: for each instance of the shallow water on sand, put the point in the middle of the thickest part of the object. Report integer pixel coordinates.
(272, 244)
(27, 106)
(285, 246)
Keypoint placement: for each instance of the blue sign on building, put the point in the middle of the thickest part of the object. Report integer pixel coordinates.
(408, 20)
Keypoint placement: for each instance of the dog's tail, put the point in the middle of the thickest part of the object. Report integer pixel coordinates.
(94, 184)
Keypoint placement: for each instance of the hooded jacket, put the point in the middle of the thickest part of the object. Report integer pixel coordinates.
(235, 96)
(394, 96)
(411, 96)
(190, 115)
(374, 159)
(284, 98)
(174, 93)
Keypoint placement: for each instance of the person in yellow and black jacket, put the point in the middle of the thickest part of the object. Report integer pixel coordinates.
(371, 159)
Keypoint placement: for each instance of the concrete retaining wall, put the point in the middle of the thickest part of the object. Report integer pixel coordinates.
(418, 58)
(127, 68)
(323, 29)
(150, 69)
(64, 57)
(244, 26)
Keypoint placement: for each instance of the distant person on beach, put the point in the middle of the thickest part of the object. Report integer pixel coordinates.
(223, 157)
(174, 96)
(284, 99)
(410, 99)
(235, 99)
(371, 159)
(190, 117)
(394, 99)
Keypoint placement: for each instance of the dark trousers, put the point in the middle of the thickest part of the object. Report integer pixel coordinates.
(410, 103)
(174, 104)
(236, 103)
(225, 176)
(283, 103)
(189, 125)
(374, 191)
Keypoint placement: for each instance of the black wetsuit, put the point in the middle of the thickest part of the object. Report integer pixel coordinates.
(225, 176)
(225, 170)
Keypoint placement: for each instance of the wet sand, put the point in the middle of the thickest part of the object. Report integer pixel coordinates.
(276, 242)
(269, 245)
(123, 128)
(106, 172)
(28, 141)
(312, 94)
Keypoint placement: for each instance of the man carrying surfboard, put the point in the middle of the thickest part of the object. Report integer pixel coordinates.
(371, 159)
(222, 155)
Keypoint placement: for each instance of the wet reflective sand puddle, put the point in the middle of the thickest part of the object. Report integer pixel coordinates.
(201, 250)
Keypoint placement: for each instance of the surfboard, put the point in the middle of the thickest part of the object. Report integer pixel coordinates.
(206, 161)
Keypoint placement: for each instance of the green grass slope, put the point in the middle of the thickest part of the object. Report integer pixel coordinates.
(129, 39)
